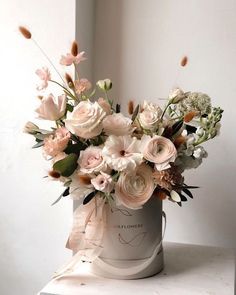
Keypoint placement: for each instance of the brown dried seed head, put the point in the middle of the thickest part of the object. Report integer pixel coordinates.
(160, 194)
(189, 116)
(184, 61)
(25, 32)
(74, 48)
(179, 140)
(69, 80)
(131, 107)
(40, 97)
(54, 174)
(85, 179)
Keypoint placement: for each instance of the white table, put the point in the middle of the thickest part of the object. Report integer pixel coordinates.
(189, 270)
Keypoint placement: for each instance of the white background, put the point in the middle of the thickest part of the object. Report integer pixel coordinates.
(139, 45)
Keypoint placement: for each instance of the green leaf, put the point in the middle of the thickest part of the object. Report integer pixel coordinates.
(135, 113)
(38, 144)
(187, 192)
(176, 127)
(117, 108)
(89, 197)
(66, 166)
(69, 107)
(64, 194)
(75, 148)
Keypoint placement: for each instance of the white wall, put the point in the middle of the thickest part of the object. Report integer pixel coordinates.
(33, 233)
(139, 44)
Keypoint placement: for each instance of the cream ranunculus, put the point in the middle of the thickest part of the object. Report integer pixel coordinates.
(86, 119)
(159, 150)
(134, 189)
(117, 124)
(91, 160)
(52, 108)
(150, 116)
(103, 182)
(122, 152)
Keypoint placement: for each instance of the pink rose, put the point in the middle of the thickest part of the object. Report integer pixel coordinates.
(52, 108)
(117, 124)
(133, 190)
(103, 182)
(158, 150)
(150, 116)
(82, 85)
(91, 160)
(56, 143)
(86, 119)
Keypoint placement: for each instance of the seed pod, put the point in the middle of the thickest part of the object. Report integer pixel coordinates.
(25, 32)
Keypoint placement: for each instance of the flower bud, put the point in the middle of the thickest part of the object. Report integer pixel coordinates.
(30, 128)
(176, 95)
(105, 84)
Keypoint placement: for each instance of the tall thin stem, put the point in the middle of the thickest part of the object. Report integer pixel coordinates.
(49, 60)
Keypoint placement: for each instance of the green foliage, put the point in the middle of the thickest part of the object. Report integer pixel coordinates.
(66, 166)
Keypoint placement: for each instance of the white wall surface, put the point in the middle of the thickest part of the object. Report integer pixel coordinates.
(33, 233)
(140, 44)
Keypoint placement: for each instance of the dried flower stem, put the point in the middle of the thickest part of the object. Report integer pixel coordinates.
(49, 60)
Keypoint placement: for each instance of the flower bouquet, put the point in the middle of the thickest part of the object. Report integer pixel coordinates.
(119, 167)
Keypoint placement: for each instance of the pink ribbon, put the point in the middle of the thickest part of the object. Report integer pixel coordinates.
(86, 237)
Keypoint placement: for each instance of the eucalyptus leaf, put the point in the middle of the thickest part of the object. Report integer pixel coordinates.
(187, 192)
(89, 197)
(117, 108)
(135, 113)
(38, 144)
(176, 127)
(66, 166)
(64, 194)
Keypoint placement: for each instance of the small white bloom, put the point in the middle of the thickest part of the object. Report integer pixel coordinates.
(122, 152)
(199, 153)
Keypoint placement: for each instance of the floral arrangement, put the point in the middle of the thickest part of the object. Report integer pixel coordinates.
(98, 152)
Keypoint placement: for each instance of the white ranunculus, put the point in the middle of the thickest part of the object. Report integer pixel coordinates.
(150, 116)
(133, 190)
(159, 150)
(117, 124)
(103, 182)
(122, 152)
(91, 160)
(52, 108)
(86, 119)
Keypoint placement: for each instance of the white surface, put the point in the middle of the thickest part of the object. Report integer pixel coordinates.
(33, 233)
(189, 270)
(140, 44)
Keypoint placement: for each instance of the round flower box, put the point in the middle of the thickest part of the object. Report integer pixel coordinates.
(132, 244)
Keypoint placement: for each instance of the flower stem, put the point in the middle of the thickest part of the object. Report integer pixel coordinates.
(65, 89)
(49, 60)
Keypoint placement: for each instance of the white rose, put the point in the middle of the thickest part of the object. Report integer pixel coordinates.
(91, 160)
(150, 116)
(52, 108)
(86, 119)
(103, 182)
(117, 124)
(122, 152)
(134, 189)
(159, 150)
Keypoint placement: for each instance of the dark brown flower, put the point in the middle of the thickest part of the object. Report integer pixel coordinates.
(168, 178)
